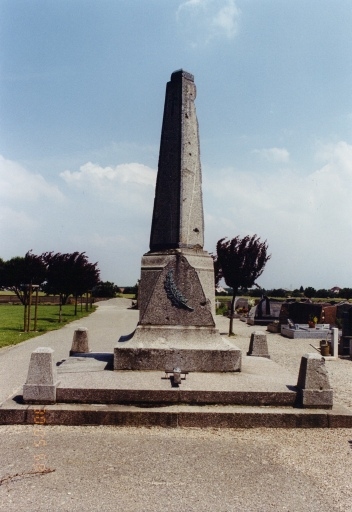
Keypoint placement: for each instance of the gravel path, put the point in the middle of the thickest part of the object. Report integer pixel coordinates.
(288, 353)
(179, 470)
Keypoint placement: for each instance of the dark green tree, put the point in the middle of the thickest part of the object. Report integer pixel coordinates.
(69, 274)
(242, 261)
(105, 289)
(19, 274)
(309, 292)
(346, 293)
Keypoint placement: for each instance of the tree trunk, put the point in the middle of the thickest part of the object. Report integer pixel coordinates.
(29, 308)
(76, 300)
(36, 309)
(25, 318)
(60, 310)
(231, 333)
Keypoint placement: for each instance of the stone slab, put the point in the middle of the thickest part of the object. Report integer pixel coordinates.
(313, 398)
(262, 382)
(193, 349)
(177, 416)
(305, 333)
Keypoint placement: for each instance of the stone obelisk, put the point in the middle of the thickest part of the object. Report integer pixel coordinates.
(176, 293)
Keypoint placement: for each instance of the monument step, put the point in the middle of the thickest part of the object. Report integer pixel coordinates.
(174, 416)
(87, 380)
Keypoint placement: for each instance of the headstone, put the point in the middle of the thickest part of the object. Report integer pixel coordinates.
(80, 343)
(258, 345)
(313, 383)
(176, 294)
(335, 342)
(41, 383)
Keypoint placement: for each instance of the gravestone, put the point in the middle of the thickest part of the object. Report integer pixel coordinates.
(176, 294)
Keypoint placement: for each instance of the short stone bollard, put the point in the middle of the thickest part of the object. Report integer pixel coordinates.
(80, 343)
(258, 345)
(40, 387)
(313, 384)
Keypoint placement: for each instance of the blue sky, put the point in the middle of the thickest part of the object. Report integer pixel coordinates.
(82, 91)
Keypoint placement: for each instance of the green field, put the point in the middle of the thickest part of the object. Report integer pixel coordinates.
(11, 321)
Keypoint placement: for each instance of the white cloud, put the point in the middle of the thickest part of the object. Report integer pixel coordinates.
(107, 211)
(101, 176)
(274, 154)
(104, 211)
(206, 20)
(18, 183)
(306, 219)
(227, 19)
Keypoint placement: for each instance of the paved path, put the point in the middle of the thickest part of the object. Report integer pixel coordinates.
(173, 470)
(111, 320)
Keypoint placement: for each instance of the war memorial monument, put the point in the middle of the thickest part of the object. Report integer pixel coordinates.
(175, 369)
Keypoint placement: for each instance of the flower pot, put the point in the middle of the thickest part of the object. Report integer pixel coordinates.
(324, 350)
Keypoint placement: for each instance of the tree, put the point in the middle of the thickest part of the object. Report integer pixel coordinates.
(105, 289)
(346, 293)
(19, 274)
(217, 269)
(323, 293)
(69, 274)
(242, 261)
(309, 292)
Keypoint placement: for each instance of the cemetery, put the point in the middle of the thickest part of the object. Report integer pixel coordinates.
(176, 368)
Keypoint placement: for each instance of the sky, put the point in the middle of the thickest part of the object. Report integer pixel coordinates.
(82, 88)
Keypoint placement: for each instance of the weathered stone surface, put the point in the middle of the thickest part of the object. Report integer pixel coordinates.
(178, 206)
(176, 294)
(80, 342)
(153, 264)
(317, 398)
(313, 382)
(190, 360)
(313, 373)
(178, 416)
(194, 349)
(258, 345)
(41, 383)
(177, 297)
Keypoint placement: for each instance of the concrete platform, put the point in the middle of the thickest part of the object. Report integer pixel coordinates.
(261, 382)
(91, 393)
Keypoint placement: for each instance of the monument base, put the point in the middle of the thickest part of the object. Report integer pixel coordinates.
(192, 349)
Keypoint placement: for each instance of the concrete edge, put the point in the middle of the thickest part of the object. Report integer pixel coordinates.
(183, 416)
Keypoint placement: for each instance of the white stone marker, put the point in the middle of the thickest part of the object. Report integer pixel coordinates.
(80, 343)
(313, 383)
(335, 342)
(40, 387)
(258, 345)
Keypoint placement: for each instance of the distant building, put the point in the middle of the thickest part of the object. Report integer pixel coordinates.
(336, 290)
(221, 290)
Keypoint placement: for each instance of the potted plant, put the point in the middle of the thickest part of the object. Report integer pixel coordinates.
(313, 320)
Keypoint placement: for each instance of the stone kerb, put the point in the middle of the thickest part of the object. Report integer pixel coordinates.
(258, 345)
(313, 384)
(40, 387)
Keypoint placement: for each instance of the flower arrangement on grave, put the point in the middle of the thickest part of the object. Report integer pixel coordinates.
(313, 320)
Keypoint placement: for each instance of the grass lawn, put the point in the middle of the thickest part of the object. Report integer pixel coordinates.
(11, 321)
